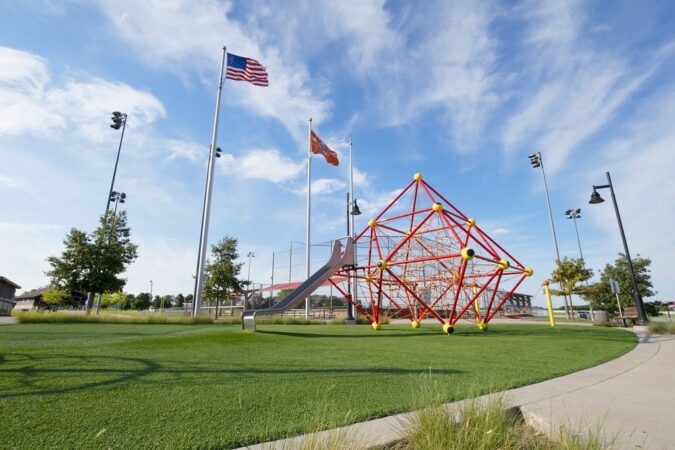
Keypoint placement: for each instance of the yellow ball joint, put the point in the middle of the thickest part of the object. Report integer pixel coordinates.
(369, 278)
(417, 176)
(503, 264)
(437, 207)
(382, 264)
(448, 328)
(372, 223)
(376, 326)
(468, 253)
(470, 222)
(483, 326)
(528, 271)
(415, 324)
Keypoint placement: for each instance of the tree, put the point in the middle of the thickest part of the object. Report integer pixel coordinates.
(156, 302)
(167, 302)
(93, 262)
(600, 295)
(654, 308)
(142, 301)
(569, 273)
(118, 299)
(222, 272)
(179, 300)
(129, 302)
(57, 297)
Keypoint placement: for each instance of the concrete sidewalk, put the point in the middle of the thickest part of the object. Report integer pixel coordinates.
(7, 320)
(631, 398)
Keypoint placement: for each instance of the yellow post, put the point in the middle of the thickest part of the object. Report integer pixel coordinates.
(548, 303)
(476, 304)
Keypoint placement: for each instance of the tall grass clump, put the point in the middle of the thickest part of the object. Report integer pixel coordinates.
(273, 320)
(480, 423)
(486, 424)
(662, 327)
(79, 317)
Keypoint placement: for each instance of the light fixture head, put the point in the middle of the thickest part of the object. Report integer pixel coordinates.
(595, 198)
(355, 209)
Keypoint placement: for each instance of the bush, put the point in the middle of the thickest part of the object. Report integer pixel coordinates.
(662, 327)
(79, 317)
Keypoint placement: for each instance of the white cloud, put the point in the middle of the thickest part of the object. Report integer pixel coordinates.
(23, 70)
(187, 37)
(324, 186)
(169, 263)
(446, 68)
(186, 150)
(582, 88)
(265, 164)
(31, 105)
(361, 179)
(8, 182)
(29, 245)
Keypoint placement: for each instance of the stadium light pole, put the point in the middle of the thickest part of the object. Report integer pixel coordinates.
(537, 161)
(574, 214)
(119, 121)
(595, 199)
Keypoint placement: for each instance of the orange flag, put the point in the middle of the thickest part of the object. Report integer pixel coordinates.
(318, 147)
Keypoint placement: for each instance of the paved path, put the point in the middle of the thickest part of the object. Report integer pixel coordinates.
(632, 398)
(7, 320)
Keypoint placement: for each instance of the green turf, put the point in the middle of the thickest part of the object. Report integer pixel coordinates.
(206, 386)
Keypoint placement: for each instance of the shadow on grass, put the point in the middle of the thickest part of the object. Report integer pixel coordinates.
(31, 373)
(375, 334)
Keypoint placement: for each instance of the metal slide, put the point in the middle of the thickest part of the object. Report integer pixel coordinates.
(337, 260)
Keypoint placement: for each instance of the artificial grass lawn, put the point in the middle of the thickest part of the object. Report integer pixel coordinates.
(210, 386)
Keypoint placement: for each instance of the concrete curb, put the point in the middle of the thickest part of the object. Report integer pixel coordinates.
(611, 398)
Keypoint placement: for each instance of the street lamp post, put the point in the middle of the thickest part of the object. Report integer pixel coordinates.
(151, 292)
(595, 198)
(352, 210)
(537, 161)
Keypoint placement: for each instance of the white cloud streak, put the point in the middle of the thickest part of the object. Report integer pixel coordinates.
(263, 164)
(32, 105)
(187, 36)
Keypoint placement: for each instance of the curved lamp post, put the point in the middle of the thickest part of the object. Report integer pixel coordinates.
(595, 199)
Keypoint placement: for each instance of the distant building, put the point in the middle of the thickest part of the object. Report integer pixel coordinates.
(7, 290)
(32, 300)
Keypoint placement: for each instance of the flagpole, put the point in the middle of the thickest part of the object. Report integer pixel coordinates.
(309, 210)
(206, 211)
(351, 196)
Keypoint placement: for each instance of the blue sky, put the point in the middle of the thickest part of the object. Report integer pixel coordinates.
(461, 91)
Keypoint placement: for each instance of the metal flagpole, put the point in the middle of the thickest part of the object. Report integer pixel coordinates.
(351, 197)
(309, 210)
(272, 281)
(206, 211)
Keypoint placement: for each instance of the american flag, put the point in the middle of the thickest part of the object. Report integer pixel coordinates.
(246, 69)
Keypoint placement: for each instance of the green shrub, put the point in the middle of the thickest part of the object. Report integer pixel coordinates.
(662, 327)
(80, 317)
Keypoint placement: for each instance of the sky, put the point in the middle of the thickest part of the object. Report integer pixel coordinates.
(460, 91)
